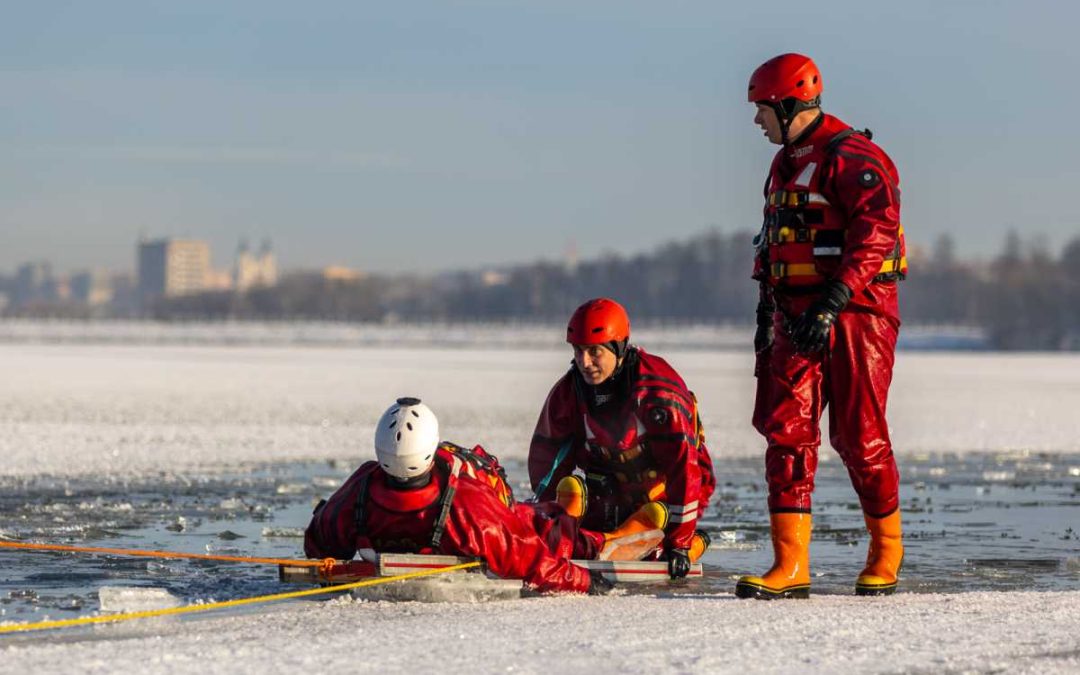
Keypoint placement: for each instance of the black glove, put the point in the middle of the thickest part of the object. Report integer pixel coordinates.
(763, 336)
(810, 331)
(678, 563)
(599, 584)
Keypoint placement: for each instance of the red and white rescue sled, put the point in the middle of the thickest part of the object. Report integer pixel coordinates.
(393, 564)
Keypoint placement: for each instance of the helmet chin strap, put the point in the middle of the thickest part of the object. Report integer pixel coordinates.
(785, 124)
(785, 117)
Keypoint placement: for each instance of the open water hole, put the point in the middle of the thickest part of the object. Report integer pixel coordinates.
(972, 522)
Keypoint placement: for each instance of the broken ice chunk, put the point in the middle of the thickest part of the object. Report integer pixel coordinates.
(135, 599)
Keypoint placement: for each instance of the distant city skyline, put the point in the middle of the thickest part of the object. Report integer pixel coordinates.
(452, 135)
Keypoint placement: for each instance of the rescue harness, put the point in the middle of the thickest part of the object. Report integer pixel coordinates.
(452, 470)
(632, 467)
(803, 238)
(452, 460)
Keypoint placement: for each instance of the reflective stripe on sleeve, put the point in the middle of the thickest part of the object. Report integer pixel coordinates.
(683, 513)
(683, 508)
(677, 519)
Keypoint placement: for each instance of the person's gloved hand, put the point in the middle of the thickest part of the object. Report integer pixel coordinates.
(810, 331)
(599, 584)
(763, 336)
(678, 563)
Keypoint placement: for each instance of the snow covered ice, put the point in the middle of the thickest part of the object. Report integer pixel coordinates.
(977, 632)
(109, 418)
(109, 410)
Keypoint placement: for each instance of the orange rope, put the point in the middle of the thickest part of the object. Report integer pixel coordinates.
(185, 609)
(166, 554)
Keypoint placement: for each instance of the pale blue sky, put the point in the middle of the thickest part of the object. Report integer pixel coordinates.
(436, 135)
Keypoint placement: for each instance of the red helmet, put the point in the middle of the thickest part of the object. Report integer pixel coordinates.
(600, 321)
(785, 76)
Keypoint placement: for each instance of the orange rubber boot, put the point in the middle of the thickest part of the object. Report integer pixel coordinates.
(885, 557)
(698, 545)
(789, 577)
(638, 536)
(572, 496)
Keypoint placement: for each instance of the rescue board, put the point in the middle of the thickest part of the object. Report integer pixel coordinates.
(392, 564)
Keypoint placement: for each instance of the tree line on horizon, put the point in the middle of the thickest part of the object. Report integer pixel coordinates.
(1025, 298)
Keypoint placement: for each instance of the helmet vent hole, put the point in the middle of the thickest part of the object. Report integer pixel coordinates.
(427, 458)
(385, 465)
(415, 414)
(393, 424)
(597, 329)
(815, 79)
(413, 468)
(800, 83)
(409, 424)
(399, 435)
(395, 411)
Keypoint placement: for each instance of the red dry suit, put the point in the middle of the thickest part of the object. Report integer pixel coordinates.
(563, 535)
(454, 514)
(832, 212)
(637, 437)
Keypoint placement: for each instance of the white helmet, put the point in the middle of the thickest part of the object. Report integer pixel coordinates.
(406, 439)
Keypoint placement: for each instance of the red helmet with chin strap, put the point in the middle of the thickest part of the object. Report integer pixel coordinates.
(600, 321)
(785, 76)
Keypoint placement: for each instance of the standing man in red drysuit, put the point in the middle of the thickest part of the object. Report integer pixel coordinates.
(829, 258)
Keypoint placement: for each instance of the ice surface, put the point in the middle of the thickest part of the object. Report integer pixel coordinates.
(976, 632)
(138, 410)
(135, 599)
(467, 588)
(283, 532)
(106, 412)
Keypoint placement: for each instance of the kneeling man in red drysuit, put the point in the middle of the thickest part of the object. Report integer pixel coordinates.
(423, 496)
(627, 421)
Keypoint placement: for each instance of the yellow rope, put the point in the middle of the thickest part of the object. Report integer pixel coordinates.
(42, 625)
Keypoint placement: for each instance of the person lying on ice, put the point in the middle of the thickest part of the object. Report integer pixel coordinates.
(426, 496)
(626, 419)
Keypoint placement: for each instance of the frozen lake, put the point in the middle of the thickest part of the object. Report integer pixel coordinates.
(977, 523)
(220, 448)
